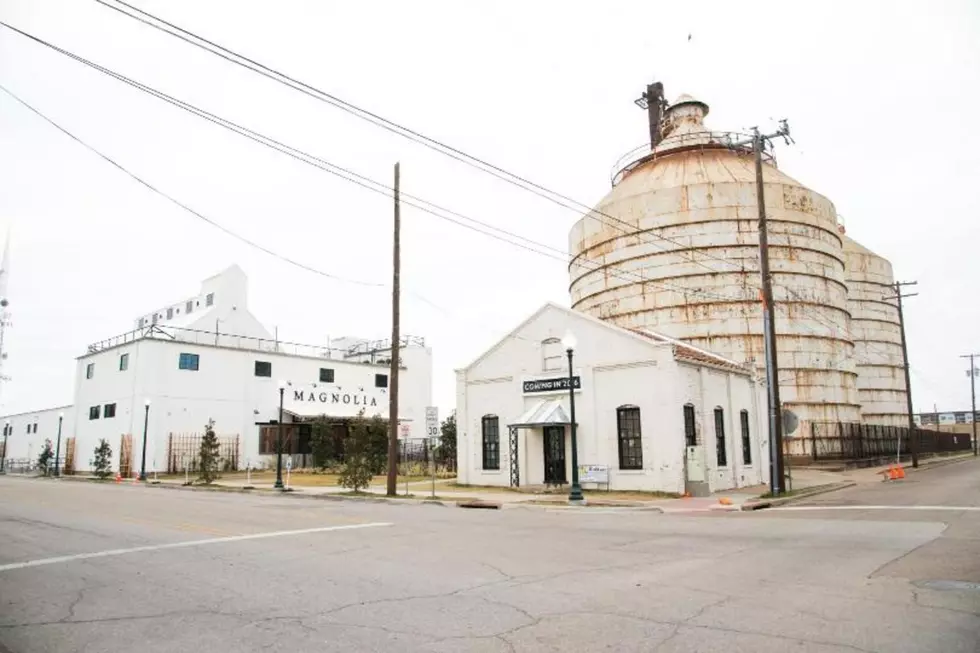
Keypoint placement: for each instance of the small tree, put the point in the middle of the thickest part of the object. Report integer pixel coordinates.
(102, 463)
(447, 443)
(356, 472)
(43, 460)
(209, 454)
(377, 444)
(322, 445)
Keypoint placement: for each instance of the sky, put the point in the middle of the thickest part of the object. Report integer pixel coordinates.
(880, 97)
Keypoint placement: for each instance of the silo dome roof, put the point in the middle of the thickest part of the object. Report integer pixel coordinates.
(684, 98)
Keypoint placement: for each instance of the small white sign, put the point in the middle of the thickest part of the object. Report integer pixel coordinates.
(404, 430)
(593, 473)
(432, 422)
(289, 463)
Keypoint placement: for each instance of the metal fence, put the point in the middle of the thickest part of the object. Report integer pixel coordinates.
(855, 441)
(184, 452)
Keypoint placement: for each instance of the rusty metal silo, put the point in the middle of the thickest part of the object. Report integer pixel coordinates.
(877, 336)
(674, 247)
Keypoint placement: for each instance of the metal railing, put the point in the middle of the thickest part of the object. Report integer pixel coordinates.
(235, 341)
(735, 141)
(855, 441)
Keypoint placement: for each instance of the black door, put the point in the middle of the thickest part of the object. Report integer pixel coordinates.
(554, 455)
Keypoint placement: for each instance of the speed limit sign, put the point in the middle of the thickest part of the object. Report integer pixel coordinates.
(432, 422)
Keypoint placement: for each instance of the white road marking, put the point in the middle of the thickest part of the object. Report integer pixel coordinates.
(179, 545)
(948, 508)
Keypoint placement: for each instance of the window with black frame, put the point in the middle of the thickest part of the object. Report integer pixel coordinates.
(491, 442)
(630, 441)
(690, 428)
(746, 439)
(720, 437)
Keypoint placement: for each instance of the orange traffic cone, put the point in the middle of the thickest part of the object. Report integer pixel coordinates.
(725, 501)
(118, 478)
(892, 473)
(900, 471)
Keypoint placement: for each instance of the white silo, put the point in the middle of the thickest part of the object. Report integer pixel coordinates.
(674, 247)
(877, 336)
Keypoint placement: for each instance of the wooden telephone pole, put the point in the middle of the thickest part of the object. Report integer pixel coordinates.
(972, 373)
(913, 440)
(395, 341)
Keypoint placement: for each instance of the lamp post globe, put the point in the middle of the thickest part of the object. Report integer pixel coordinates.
(575, 495)
(282, 394)
(146, 424)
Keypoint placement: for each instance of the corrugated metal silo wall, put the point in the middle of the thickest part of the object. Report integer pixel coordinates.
(686, 264)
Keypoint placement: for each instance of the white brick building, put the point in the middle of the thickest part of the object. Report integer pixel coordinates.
(659, 415)
(207, 357)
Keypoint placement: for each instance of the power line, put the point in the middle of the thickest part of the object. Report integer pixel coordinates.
(375, 186)
(180, 204)
(389, 125)
(358, 179)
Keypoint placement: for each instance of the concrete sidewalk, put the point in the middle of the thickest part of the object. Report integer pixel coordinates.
(726, 500)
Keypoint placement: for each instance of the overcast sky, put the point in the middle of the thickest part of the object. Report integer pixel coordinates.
(881, 98)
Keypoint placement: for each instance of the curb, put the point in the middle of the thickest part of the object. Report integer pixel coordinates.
(773, 503)
(952, 460)
(292, 492)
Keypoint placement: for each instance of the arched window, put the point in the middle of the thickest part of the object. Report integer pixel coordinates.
(720, 437)
(690, 428)
(630, 440)
(491, 442)
(746, 439)
(551, 355)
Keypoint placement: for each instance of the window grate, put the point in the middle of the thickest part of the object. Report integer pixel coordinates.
(746, 439)
(630, 441)
(690, 427)
(720, 437)
(491, 442)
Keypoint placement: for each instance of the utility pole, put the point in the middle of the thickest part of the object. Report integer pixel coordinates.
(769, 321)
(776, 466)
(972, 373)
(392, 489)
(913, 440)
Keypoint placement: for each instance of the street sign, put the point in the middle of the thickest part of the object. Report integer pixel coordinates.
(432, 422)
(593, 474)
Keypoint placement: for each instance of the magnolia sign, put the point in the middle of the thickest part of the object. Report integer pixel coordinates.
(333, 398)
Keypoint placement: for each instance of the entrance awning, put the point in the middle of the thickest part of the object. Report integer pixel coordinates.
(549, 412)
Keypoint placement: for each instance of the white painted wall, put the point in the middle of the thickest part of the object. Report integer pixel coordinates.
(225, 389)
(616, 368)
(24, 443)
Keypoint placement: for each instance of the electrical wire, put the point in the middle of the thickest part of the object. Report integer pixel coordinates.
(361, 180)
(463, 157)
(236, 58)
(366, 182)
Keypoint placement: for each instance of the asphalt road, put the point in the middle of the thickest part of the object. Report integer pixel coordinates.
(105, 568)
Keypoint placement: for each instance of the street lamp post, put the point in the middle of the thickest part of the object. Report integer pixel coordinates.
(146, 424)
(279, 485)
(3, 458)
(57, 448)
(575, 495)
